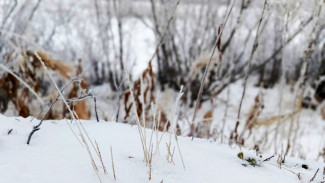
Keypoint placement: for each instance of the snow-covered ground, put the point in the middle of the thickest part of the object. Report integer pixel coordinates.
(55, 155)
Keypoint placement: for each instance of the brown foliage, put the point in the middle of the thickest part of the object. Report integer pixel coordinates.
(28, 68)
(148, 82)
(9, 87)
(56, 65)
(148, 79)
(82, 110)
(254, 113)
(208, 115)
(22, 103)
(251, 121)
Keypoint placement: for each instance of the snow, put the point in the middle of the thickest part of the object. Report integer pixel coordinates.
(55, 155)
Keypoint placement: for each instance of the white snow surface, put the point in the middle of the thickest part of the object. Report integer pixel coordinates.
(55, 155)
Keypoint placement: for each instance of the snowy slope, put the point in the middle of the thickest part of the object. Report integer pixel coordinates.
(55, 155)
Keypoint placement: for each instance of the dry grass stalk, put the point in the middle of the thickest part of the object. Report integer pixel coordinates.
(173, 121)
(170, 154)
(279, 161)
(113, 167)
(140, 127)
(303, 80)
(147, 151)
(158, 140)
(151, 149)
(234, 134)
(179, 151)
(101, 158)
(287, 169)
(150, 165)
(271, 120)
(154, 130)
(77, 122)
(147, 75)
(143, 115)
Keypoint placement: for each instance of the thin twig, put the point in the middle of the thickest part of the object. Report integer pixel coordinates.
(73, 116)
(313, 178)
(96, 109)
(164, 33)
(8, 15)
(269, 158)
(248, 67)
(206, 70)
(37, 127)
